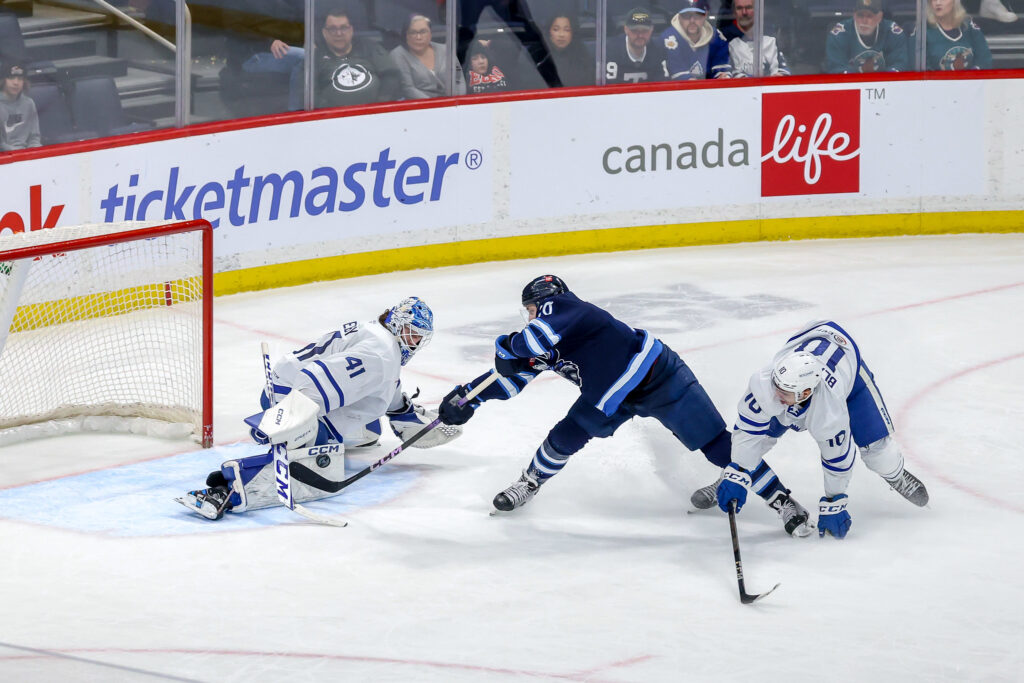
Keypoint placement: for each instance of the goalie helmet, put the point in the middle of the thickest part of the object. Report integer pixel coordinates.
(410, 318)
(796, 373)
(543, 287)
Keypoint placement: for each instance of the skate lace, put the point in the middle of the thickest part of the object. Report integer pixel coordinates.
(907, 485)
(521, 491)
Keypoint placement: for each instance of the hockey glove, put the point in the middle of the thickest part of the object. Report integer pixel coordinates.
(451, 413)
(505, 362)
(733, 486)
(833, 517)
(555, 364)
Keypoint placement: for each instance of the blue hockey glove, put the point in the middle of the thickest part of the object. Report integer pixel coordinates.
(833, 517)
(505, 362)
(733, 486)
(451, 413)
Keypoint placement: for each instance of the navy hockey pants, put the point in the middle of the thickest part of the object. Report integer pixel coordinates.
(671, 394)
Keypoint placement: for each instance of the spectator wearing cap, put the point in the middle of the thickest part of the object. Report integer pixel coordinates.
(740, 35)
(693, 48)
(866, 42)
(633, 58)
(953, 42)
(19, 122)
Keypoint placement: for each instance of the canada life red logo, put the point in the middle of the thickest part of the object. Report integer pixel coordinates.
(810, 143)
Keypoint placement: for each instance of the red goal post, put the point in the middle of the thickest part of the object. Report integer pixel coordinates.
(107, 327)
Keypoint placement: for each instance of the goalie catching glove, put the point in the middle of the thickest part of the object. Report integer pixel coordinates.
(408, 419)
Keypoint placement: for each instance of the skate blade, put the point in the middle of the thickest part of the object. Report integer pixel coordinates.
(191, 505)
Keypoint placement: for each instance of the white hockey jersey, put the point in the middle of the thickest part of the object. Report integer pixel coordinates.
(352, 374)
(762, 418)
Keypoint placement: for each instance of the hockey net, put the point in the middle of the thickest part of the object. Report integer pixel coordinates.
(107, 328)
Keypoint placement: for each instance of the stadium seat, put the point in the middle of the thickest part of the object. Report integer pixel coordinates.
(96, 106)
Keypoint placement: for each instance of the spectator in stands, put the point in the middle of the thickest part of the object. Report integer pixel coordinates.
(483, 76)
(266, 38)
(351, 70)
(693, 48)
(567, 61)
(18, 117)
(740, 35)
(953, 42)
(424, 64)
(866, 42)
(633, 58)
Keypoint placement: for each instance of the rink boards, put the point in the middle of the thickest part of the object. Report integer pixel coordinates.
(352, 192)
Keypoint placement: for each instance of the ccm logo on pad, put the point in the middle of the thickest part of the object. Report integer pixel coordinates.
(810, 143)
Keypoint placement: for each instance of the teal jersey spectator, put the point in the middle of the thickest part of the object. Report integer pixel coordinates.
(885, 49)
(962, 48)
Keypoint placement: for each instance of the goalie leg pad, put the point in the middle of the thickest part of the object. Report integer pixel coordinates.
(253, 481)
(408, 423)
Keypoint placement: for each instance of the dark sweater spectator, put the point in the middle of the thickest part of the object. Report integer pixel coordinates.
(568, 62)
(19, 122)
(352, 71)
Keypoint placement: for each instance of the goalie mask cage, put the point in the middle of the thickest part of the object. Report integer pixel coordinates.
(108, 328)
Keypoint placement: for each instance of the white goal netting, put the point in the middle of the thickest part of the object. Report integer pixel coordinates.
(106, 327)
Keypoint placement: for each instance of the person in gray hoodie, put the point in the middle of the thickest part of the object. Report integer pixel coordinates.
(19, 122)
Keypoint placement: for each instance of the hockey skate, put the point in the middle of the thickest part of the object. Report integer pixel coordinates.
(518, 494)
(910, 487)
(210, 503)
(706, 497)
(795, 518)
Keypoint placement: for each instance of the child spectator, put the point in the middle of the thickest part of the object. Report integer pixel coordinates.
(18, 117)
(483, 76)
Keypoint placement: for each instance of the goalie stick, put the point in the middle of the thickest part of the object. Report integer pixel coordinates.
(282, 471)
(303, 474)
(745, 598)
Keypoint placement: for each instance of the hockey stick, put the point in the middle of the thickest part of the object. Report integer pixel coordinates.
(303, 474)
(744, 597)
(282, 470)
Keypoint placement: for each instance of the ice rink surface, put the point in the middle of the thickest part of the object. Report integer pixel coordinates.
(603, 576)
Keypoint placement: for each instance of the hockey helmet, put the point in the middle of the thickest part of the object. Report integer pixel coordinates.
(410, 318)
(797, 372)
(543, 287)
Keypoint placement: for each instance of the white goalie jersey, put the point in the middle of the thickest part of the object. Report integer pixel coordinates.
(352, 374)
(762, 418)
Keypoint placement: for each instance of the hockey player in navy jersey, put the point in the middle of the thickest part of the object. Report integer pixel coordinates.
(328, 398)
(621, 372)
(818, 383)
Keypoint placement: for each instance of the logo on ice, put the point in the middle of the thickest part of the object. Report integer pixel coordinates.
(810, 143)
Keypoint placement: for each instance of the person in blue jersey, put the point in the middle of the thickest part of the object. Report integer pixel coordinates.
(694, 49)
(328, 399)
(867, 42)
(819, 383)
(622, 373)
(953, 42)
